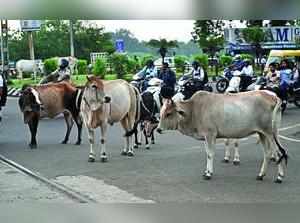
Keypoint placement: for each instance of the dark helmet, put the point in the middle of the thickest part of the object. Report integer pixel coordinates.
(63, 64)
(195, 64)
(150, 63)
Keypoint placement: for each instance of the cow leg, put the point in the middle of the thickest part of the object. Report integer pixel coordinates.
(136, 146)
(103, 154)
(140, 139)
(69, 122)
(152, 138)
(236, 158)
(280, 173)
(78, 122)
(91, 136)
(267, 153)
(227, 151)
(124, 123)
(33, 125)
(147, 146)
(210, 143)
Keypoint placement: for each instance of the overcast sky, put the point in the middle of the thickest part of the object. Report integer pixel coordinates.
(144, 29)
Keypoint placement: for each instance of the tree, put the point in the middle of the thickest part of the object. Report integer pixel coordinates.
(163, 45)
(255, 36)
(209, 34)
(281, 22)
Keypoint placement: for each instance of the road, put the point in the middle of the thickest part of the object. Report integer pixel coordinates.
(171, 171)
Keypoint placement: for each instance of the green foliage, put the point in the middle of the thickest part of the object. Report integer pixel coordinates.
(145, 58)
(119, 64)
(202, 59)
(180, 63)
(82, 66)
(225, 60)
(53, 40)
(99, 68)
(209, 35)
(163, 45)
(50, 65)
(133, 65)
(254, 35)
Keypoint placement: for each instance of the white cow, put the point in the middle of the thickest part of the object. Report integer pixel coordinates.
(29, 66)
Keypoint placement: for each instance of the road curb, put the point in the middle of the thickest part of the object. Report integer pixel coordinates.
(74, 195)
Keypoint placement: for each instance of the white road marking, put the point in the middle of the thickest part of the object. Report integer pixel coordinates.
(98, 190)
(289, 139)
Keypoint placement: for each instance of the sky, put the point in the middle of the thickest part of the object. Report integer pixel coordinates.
(179, 30)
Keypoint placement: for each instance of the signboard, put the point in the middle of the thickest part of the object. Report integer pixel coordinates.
(276, 38)
(120, 46)
(30, 25)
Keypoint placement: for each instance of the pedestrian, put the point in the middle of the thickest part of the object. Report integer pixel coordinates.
(3, 93)
(167, 76)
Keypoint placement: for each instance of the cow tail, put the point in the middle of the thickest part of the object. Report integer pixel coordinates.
(275, 120)
(137, 114)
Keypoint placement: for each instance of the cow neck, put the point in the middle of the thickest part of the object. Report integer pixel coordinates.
(152, 114)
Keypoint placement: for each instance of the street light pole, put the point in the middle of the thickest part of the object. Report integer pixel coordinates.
(71, 39)
(4, 47)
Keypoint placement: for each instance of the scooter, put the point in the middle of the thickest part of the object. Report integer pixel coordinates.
(223, 81)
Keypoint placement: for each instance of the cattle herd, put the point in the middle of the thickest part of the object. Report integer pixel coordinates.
(205, 116)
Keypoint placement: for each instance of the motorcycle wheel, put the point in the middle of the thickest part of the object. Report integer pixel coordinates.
(222, 85)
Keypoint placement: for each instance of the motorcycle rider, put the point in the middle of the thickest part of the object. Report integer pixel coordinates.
(167, 76)
(63, 73)
(285, 80)
(198, 73)
(273, 75)
(238, 63)
(246, 74)
(148, 72)
(3, 93)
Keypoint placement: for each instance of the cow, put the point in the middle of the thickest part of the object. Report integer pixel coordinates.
(29, 66)
(148, 121)
(208, 116)
(108, 102)
(49, 100)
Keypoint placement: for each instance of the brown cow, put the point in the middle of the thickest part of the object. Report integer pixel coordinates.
(49, 100)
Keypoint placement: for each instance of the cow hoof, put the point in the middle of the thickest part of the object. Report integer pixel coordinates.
(139, 143)
(103, 159)
(206, 177)
(260, 178)
(147, 147)
(136, 146)
(236, 163)
(32, 146)
(77, 143)
(64, 142)
(91, 159)
(124, 153)
(152, 142)
(225, 161)
(130, 153)
(273, 159)
(278, 181)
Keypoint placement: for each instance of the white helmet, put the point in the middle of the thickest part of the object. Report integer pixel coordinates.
(237, 57)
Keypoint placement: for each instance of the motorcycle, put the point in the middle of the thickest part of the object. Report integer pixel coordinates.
(293, 92)
(223, 81)
(187, 86)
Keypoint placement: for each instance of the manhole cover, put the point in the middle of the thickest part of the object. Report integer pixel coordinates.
(11, 172)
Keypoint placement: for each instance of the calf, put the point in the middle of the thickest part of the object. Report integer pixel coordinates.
(49, 100)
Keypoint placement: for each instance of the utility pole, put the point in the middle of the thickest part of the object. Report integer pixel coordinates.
(4, 47)
(71, 39)
(31, 50)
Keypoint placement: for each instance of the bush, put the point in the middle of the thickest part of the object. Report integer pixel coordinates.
(82, 66)
(180, 63)
(119, 64)
(225, 60)
(99, 68)
(202, 59)
(50, 65)
(133, 66)
(145, 59)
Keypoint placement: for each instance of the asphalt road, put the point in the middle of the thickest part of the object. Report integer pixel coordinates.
(171, 171)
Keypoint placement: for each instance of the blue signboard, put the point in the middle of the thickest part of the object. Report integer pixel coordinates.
(120, 46)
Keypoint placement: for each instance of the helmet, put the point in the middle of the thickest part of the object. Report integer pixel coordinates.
(237, 57)
(63, 64)
(195, 64)
(150, 63)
